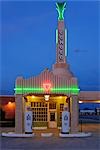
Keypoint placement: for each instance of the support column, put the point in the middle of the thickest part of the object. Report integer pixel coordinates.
(19, 114)
(74, 110)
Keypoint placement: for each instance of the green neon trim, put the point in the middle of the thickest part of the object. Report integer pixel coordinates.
(41, 89)
(64, 89)
(28, 89)
(66, 43)
(60, 8)
(56, 36)
(20, 90)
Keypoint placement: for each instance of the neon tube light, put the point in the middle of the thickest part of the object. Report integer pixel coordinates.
(66, 43)
(60, 8)
(56, 36)
(72, 90)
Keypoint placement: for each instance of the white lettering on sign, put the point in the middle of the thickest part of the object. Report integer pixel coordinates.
(60, 46)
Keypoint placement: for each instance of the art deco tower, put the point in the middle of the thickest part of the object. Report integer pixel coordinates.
(61, 67)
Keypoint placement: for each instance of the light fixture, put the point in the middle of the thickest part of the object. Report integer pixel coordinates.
(46, 97)
(33, 96)
(60, 96)
(80, 102)
(9, 103)
(47, 87)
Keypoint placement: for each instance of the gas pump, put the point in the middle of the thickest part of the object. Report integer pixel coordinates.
(28, 121)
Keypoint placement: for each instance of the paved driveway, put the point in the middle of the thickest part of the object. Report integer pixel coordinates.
(54, 142)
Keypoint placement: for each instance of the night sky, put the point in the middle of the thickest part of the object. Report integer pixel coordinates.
(27, 30)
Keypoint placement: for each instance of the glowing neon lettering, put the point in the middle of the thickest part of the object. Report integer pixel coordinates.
(61, 45)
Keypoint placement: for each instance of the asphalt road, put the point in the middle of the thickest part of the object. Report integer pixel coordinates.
(55, 142)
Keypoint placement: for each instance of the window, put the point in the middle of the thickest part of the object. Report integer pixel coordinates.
(52, 116)
(52, 106)
(61, 107)
(39, 111)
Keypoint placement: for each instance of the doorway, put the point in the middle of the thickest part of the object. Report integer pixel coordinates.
(52, 115)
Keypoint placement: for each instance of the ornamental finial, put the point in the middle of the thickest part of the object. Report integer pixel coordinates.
(60, 8)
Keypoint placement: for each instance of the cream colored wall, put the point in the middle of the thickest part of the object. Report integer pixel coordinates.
(74, 114)
(19, 114)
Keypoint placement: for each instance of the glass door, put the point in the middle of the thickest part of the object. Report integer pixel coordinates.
(52, 115)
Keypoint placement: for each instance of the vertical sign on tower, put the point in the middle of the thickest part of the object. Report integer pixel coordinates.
(60, 46)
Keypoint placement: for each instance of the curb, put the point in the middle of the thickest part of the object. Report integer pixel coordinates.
(46, 134)
(11, 134)
(39, 128)
(80, 134)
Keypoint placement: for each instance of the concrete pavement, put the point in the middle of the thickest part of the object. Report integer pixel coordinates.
(55, 142)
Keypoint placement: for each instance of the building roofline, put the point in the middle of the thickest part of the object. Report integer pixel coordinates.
(7, 95)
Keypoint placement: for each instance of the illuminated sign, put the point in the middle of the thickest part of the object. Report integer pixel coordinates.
(60, 46)
(47, 86)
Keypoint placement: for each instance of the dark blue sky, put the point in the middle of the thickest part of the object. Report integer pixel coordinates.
(28, 41)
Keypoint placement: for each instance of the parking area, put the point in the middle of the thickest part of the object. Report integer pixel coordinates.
(54, 142)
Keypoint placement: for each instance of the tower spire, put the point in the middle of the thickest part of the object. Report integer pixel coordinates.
(61, 68)
(60, 8)
(61, 34)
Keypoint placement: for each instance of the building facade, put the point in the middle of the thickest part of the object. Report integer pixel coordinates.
(47, 93)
